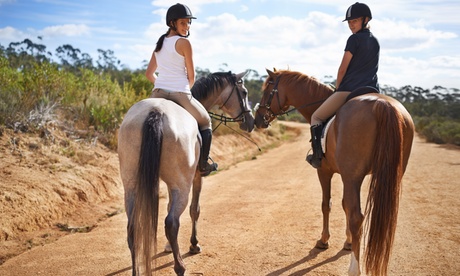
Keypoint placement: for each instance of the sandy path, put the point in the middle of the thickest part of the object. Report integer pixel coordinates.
(263, 217)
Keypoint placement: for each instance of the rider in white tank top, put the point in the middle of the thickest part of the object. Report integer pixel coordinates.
(172, 59)
(172, 75)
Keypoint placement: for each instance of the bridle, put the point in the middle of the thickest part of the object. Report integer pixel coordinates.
(240, 118)
(270, 115)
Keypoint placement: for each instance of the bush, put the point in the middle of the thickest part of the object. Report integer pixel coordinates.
(439, 131)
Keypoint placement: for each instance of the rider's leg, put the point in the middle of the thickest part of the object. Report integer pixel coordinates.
(325, 111)
(196, 109)
(205, 167)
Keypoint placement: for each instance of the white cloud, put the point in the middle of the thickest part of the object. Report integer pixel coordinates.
(66, 30)
(9, 34)
(416, 48)
(407, 36)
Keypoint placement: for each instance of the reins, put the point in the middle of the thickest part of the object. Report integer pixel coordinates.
(300, 107)
(224, 119)
(239, 133)
(240, 118)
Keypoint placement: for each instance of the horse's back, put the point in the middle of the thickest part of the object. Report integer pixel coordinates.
(180, 147)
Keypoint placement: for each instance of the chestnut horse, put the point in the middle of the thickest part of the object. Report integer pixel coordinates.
(158, 139)
(371, 134)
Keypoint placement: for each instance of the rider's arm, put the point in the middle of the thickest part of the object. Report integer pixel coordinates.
(150, 72)
(343, 67)
(184, 48)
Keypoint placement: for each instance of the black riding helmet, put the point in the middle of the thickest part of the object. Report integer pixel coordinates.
(358, 10)
(178, 11)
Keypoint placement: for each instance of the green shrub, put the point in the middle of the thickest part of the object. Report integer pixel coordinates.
(438, 130)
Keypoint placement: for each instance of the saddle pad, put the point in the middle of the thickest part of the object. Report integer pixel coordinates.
(324, 135)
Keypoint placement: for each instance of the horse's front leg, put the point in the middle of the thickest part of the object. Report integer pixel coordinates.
(195, 248)
(178, 203)
(325, 180)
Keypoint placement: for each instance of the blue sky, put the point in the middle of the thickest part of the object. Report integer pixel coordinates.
(420, 40)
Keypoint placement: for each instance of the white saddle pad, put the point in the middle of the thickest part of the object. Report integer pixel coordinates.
(324, 136)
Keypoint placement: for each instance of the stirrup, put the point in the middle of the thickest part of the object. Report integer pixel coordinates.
(314, 161)
(208, 168)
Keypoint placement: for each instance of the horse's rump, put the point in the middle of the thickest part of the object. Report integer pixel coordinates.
(373, 135)
(153, 132)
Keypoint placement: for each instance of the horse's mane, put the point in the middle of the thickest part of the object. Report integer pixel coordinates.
(310, 83)
(211, 83)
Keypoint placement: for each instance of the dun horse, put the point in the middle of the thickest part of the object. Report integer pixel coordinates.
(158, 139)
(371, 134)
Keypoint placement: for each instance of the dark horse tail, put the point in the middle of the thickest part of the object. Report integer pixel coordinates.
(385, 187)
(144, 223)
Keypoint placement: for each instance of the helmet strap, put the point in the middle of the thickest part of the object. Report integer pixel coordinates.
(364, 24)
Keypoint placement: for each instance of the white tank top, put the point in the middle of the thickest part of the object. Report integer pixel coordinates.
(172, 74)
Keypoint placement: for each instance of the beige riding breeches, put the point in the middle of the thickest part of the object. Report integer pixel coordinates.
(189, 103)
(329, 107)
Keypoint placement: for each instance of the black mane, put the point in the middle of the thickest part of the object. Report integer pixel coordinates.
(204, 86)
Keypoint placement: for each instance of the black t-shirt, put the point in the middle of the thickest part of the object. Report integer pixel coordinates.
(362, 70)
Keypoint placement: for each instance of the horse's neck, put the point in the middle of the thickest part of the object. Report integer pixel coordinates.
(217, 97)
(207, 103)
(211, 101)
(308, 97)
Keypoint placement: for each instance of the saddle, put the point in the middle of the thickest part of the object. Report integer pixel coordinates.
(355, 93)
(361, 91)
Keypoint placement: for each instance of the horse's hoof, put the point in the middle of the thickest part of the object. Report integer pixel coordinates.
(347, 246)
(321, 245)
(195, 249)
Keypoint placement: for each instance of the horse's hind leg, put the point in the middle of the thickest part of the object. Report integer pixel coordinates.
(352, 207)
(178, 203)
(325, 179)
(347, 243)
(195, 213)
(130, 230)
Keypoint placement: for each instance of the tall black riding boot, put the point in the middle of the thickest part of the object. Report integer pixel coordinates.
(205, 167)
(315, 158)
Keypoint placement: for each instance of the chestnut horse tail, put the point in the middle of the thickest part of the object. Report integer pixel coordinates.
(144, 222)
(385, 187)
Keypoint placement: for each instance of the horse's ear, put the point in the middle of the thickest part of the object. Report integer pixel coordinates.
(270, 73)
(241, 75)
(274, 69)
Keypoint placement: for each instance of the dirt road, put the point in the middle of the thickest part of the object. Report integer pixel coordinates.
(263, 217)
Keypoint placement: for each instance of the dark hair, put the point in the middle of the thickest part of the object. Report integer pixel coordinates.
(161, 40)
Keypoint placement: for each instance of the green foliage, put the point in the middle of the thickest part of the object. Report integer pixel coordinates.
(10, 91)
(436, 117)
(438, 130)
(86, 95)
(31, 97)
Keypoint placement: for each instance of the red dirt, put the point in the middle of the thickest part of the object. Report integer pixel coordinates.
(258, 217)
